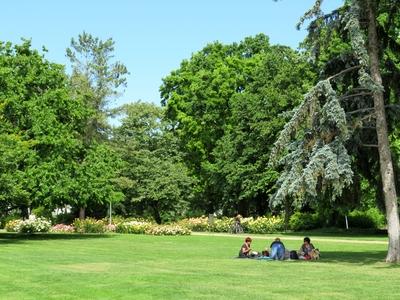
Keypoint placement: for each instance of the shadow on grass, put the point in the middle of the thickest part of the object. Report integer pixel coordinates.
(8, 238)
(335, 232)
(357, 258)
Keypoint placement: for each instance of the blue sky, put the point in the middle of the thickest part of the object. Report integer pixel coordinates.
(152, 36)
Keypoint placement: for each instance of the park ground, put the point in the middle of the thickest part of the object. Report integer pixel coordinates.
(200, 266)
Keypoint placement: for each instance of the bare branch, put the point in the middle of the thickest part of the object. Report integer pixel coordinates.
(369, 145)
(359, 110)
(343, 72)
(355, 95)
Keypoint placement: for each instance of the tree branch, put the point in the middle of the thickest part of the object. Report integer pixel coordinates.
(355, 95)
(359, 110)
(343, 72)
(369, 145)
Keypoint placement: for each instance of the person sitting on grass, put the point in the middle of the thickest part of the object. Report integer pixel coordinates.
(306, 249)
(277, 250)
(245, 250)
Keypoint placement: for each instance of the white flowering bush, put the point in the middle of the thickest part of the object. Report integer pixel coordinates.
(30, 225)
(137, 227)
(111, 227)
(62, 228)
(167, 230)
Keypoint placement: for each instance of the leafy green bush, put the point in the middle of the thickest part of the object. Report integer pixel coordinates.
(89, 225)
(371, 218)
(304, 221)
(43, 212)
(30, 225)
(195, 224)
(5, 219)
(263, 224)
(167, 230)
(64, 218)
(136, 227)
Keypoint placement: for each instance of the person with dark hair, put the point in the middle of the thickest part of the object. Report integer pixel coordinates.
(306, 249)
(277, 250)
(245, 250)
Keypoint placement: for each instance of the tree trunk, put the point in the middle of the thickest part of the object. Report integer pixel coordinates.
(385, 159)
(81, 213)
(156, 213)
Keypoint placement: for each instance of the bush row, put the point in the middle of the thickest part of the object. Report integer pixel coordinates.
(371, 218)
(224, 224)
(90, 225)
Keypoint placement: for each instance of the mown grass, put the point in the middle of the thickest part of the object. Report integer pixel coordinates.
(116, 266)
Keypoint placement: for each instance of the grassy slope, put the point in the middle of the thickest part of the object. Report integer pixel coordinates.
(189, 267)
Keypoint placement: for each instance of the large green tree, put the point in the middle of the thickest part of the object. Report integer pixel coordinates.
(225, 103)
(40, 125)
(154, 179)
(97, 79)
(318, 164)
(280, 76)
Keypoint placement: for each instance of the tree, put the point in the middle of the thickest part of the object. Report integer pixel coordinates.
(96, 79)
(39, 128)
(155, 180)
(280, 78)
(317, 162)
(216, 102)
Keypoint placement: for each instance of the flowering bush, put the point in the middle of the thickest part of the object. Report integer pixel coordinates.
(263, 224)
(62, 228)
(137, 227)
(222, 225)
(167, 230)
(30, 225)
(89, 225)
(13, 225)
(195, 224)
(111, 227)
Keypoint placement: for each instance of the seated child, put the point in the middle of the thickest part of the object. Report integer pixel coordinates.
(245, 250)
(307, 249)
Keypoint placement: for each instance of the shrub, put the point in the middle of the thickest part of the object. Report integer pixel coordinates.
(42, 212)
(30, 225)
(13, 226)
(221, 225)
(167, 230)
(5, 219)
(371, 218)
(195, 224)
(304, 221)
(64, 218)
(62, 228)
(110, 227)
(263, 224)
(136, 227)
(89, 225)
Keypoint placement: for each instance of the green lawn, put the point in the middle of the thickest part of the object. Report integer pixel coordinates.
(190, 267)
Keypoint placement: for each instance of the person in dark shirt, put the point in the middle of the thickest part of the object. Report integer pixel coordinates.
(245, 250)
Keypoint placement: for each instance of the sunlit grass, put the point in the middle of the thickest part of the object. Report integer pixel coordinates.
(190, 267)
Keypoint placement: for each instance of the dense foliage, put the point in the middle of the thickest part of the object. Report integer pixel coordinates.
(227, 104)
(288, 139)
